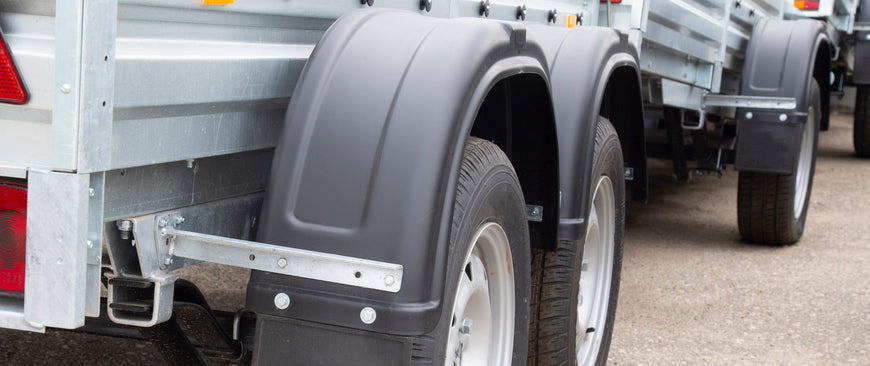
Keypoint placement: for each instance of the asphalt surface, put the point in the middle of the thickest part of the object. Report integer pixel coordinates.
(692, 293)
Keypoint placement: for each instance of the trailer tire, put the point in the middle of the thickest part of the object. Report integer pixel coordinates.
(772, 208)
(560, 338)
(486, 315)
(861, 131)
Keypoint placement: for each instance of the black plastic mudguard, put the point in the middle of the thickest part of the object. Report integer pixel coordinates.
(781, 61)
(368, 162)
(581, 63)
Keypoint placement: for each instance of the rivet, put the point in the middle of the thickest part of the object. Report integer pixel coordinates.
(748, 115)
(282, 301)
(368, 315)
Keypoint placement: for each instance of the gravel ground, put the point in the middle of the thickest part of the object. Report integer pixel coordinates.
(691, 292)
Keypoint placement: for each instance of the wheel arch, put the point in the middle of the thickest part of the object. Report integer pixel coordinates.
(526, 132)
(369, 158)
(782, 59)
(594, 71)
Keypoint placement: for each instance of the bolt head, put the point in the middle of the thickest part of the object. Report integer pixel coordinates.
(90, 244)
(65, 88)
(389, 280)
(368, 315)
(749, 115)
(783, 117)
(163, 222)
(282, 262)
(91, 192)
(282, 301)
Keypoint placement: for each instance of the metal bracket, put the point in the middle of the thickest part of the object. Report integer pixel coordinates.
(535, 213)
(282, 260)
(745, 101)
(738, 101)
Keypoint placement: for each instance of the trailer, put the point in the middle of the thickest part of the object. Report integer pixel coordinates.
(410, 182)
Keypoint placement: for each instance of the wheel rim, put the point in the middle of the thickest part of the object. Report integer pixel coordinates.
(482, 323)
(597, 271)
(805, 161)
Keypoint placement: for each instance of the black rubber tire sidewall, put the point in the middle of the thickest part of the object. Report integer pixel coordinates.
(861, 129)
(488, 191)
(560, 277)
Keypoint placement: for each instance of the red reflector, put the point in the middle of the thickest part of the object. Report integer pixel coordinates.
(611, 1)
(13, 230)
(807, 4)
(11, 88)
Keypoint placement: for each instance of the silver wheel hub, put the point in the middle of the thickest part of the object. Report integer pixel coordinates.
(482, 322)
(593, 296)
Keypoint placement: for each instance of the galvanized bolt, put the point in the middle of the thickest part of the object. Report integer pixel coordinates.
(483, 8)
(465, 326)
(536, 211)
(92, 192)
(368, 315)
(125, 227)
(282, 301)
(282, 262)
(783, 117)
(389, 280)
(90, 244)
(65, 88)
(426, 5)
(167, 261)
(521, 12)
(179, 220)
(189, 163)
(748, 115)
(162, 222)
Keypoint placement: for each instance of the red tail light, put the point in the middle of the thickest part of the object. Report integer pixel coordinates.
(11, 88)
(807, 4)
(13, 230)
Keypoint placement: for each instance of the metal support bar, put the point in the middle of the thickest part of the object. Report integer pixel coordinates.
(282, 260)
(745, 101)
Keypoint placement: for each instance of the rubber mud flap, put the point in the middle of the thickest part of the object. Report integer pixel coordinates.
(282, 341)
(770, 147)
